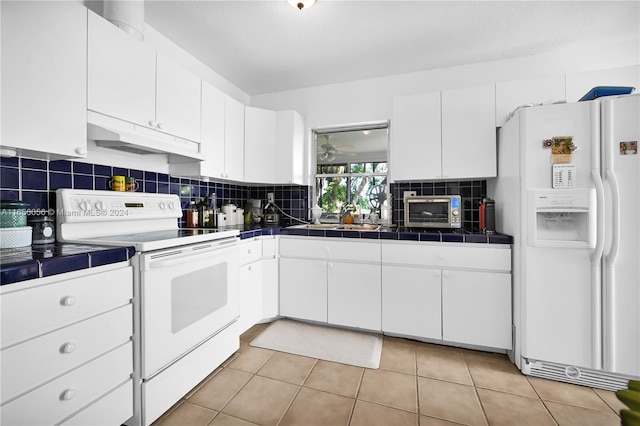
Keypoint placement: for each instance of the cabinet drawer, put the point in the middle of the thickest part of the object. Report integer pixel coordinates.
(250, 251)
(448, 256)
(51, 403)
(29, 364)
(331, 249)
(113, 409)
(269, 248)
(38, 310)
(312, 248)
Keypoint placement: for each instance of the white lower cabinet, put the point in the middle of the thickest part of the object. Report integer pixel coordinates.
(303, 289)
(353, 292)
(457, 293)
(452, 292)
(331, 280)
(476, 308)
(66, 348)
(258, 281)
(411, 301)
(250, 295)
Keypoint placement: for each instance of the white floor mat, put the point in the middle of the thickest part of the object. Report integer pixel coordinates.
(327, 343)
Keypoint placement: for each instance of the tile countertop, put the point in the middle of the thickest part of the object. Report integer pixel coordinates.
(27, 263)
(401, 234)
(38, 261)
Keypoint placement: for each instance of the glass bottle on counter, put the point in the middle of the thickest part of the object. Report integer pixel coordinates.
(205, 211)
(192, 215)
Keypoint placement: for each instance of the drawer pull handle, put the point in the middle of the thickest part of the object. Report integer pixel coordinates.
(68, 395)
(68, 301)
(67, 348)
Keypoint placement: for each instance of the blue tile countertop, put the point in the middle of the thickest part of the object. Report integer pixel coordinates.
(400, 234)
(26, 263)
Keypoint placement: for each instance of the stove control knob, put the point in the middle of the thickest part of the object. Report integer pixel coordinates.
(84, 205)
(455, 212)
(100, 206)
(171, 206)
(162, 206)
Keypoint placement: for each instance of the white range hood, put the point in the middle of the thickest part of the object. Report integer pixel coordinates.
(112, 133)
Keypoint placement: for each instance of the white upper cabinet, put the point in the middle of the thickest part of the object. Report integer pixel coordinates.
(212, 137)
(579, 84)
(43, 85)
(512, 94)
(233, 140)
(259, 145)
(273, 146)
(444, 135)
(469, 132)
(121, 74)
(289, 148)
(128, 81)
(177, 100)
(212, 130)
(416, 137)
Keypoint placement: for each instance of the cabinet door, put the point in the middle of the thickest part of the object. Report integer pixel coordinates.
(121, 74)
(415, 148)
(43, 85)
(354, 295)
(289, 154)
(177, 100)
(411, 301)
(476, 308)
(212, 131)
(250, 295)
(303, 289)
(469, 133)
(269, 288)
(512, 94)
(259, 145)
(233, 139)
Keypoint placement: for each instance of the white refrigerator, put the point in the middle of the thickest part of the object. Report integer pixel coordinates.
(568, 190)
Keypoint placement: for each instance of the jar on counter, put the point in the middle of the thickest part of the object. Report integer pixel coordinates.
(192, 215)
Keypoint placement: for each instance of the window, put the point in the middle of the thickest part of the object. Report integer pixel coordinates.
(351, 167)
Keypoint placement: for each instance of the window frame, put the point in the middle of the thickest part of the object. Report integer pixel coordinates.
(348, 176)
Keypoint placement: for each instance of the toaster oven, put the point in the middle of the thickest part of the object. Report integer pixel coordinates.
(432, 211)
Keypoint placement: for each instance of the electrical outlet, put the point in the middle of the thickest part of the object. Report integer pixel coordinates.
(409, 194)
(270, 198)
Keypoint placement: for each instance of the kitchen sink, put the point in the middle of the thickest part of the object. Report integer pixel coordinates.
(338, 227)
(318, 226)
(358, 227)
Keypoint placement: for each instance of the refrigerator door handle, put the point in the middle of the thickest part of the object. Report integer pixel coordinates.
(599, 186)
(612, 180)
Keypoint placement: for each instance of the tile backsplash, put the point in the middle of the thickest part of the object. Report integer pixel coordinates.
(35, 182)
(471, 192)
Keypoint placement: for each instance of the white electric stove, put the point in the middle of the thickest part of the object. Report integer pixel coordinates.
(186, 288)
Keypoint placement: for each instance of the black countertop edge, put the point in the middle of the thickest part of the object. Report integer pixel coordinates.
(39, 261)
(399, 234)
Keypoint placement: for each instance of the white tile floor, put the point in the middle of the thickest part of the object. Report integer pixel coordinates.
(416, 384)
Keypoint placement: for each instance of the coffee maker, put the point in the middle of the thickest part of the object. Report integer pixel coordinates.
(271, 214)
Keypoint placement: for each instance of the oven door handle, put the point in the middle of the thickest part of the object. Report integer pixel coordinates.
(190, 256)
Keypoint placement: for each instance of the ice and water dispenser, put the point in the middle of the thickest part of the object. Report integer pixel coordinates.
(562, 218)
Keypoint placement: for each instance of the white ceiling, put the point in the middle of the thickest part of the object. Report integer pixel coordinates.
(267, 46)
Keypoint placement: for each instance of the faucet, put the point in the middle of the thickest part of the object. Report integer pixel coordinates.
(344, 210)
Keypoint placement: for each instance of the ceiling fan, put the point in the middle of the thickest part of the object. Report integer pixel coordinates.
(327, 151)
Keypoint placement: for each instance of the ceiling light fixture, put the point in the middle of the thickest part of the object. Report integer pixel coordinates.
(300, 4)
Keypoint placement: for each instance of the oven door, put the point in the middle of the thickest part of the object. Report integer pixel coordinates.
(188, 294)
(428, 213)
